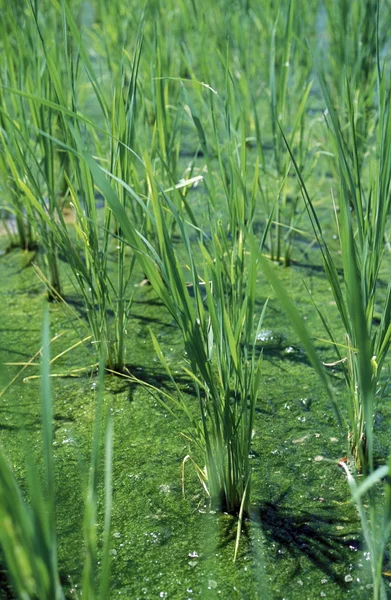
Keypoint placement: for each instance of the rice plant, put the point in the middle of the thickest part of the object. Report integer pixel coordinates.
(28, 527)
(13, 64)
(158, 129)
(375, 513)
(104, 293)
(288, 98)
(22, 142)
(218, 326)
(362, 214)
(356, 58)
(375, 516)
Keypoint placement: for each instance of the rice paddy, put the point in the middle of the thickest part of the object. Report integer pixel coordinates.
(195, 299)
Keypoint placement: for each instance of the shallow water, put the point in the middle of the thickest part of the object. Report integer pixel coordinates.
(303, 540)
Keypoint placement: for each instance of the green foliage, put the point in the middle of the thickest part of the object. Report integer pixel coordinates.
(376, 521)
(170, 117)
(218, 327)
(28, 527)
(362, 221)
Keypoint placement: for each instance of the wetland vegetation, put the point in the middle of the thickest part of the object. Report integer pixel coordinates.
(195, 299)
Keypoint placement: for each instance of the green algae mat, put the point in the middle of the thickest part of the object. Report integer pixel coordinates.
(303, 539)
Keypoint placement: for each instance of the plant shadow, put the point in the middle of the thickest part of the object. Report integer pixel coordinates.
(155, 379)
(318, 535)
(6, 591)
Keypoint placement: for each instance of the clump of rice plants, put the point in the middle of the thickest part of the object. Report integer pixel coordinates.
(219, 325)
(87, 252)
(34, 167)
(12, 73)
(375, 511)
(362, 207)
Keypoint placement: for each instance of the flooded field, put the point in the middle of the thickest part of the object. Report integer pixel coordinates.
(195, 300)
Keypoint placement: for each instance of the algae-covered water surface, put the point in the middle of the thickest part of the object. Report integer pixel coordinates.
(195, 300)
(303, 539)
